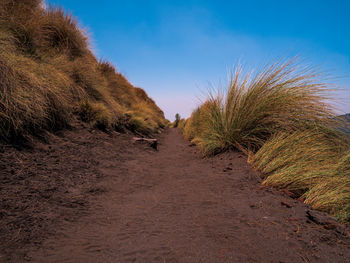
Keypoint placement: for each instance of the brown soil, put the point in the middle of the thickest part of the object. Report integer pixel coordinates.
(88, 196)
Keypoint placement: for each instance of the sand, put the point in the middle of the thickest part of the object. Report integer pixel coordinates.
(89, 196)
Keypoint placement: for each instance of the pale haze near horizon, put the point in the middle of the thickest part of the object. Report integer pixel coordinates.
(177, 51)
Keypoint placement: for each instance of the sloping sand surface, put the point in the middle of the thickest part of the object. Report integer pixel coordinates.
(88, 196)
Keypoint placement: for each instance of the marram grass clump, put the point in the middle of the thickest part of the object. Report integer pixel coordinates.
(314, 164)
(281, 97)
(48, 74)
(333, 194)
(280, 118)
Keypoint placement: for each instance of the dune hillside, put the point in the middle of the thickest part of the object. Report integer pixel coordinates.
(91, 171)
(49, 76)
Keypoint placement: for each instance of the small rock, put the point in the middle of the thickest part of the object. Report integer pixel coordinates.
(289, 193)
(326, 221)
(286, 204)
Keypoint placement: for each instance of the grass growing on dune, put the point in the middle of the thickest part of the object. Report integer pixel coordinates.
(279, 117)
(31, 99)
(287, 159)
(314, 164)
(333, 194)
(281, 97)
(48, 74)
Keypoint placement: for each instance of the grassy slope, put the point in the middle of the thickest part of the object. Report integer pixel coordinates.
(346, 125)
(48, 73)
(280, 119)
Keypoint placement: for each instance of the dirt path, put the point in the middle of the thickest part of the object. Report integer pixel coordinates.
(174, 206)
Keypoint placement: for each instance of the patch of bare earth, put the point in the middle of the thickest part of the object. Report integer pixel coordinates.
(89, 196)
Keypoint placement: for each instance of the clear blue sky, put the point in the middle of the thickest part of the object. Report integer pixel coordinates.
(176, 50)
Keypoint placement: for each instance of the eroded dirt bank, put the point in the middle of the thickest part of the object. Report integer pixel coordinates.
(88, 196)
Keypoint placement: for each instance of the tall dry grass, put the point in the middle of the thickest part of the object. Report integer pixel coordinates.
(314, 164)
(48, 74)
(280, 117)
(61, 33)
(333, 193)
(281, 97)
(31, 100)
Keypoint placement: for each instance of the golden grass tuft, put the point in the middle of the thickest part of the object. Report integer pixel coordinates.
(96, 114)
(31, 100)
(61, 33)
(181, 125)
(22, 20)
(106, 68)
(314, 164)
(333, 193)
(280, 118)
(282, 97)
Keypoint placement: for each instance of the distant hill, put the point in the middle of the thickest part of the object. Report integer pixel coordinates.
(346, 117)
(346, 127)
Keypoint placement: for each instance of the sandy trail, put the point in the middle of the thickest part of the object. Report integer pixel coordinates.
(172, 205)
